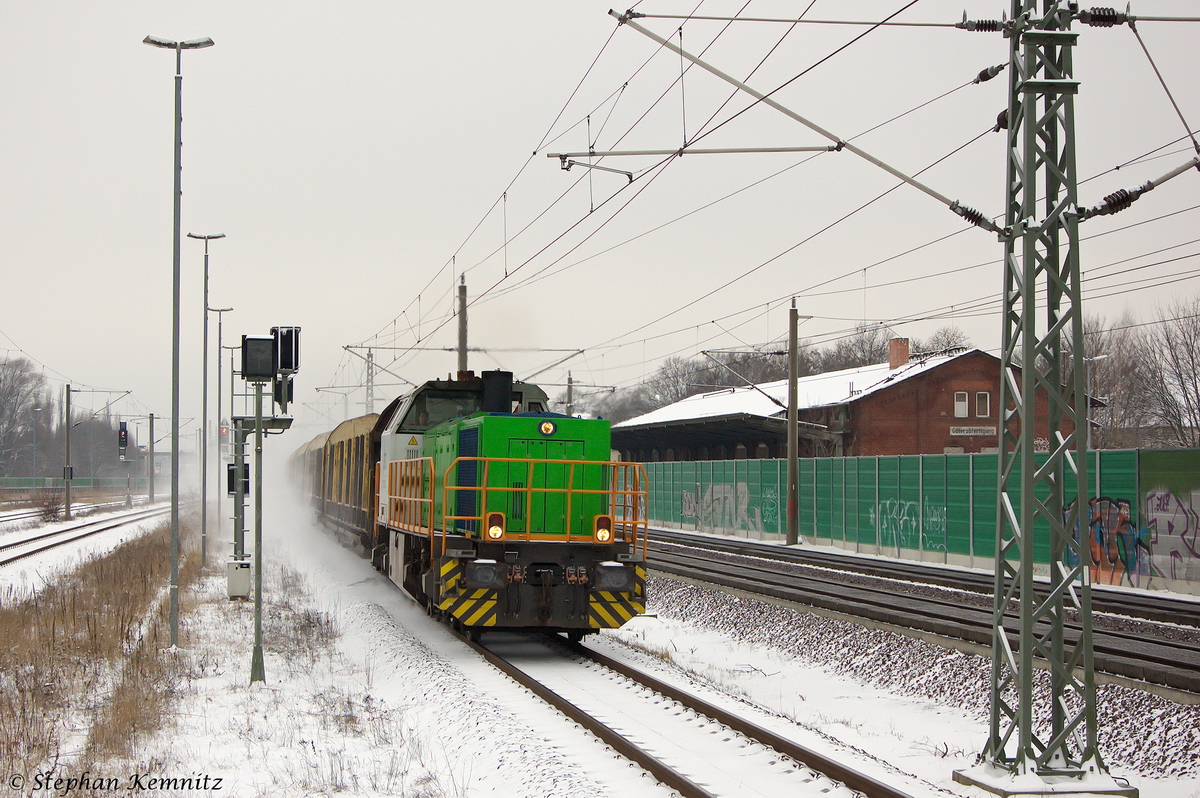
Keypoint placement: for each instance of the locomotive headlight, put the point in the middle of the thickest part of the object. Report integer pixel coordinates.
(602, 531)
(486, 574)
(495, 526)
(613, 577)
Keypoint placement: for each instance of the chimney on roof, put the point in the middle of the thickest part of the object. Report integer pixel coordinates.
(897, 353)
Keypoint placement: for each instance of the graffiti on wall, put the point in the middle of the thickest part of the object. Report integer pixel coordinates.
(1166, 546)
(909, 525)
(725, 508)
(1173, 527)
(1119, 552)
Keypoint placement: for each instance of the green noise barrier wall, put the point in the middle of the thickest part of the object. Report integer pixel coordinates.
(1142, 519)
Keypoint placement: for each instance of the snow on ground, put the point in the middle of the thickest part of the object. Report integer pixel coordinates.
(397, 706)
(913, 705)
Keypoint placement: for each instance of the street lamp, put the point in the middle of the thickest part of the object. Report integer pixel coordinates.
(1087, 367)
(220, 323)
(178, 47)
(35, 411)
(204, 411)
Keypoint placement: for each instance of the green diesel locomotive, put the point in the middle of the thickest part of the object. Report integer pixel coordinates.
(490, 510)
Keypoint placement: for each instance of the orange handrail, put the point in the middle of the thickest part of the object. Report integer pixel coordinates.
(626, 504)
(409, 505)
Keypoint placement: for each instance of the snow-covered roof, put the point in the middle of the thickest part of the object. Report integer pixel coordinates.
(819, 390)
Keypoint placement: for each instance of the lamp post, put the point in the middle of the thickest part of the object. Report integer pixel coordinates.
(178, 47)
(204, 411)
(68, 472)
(220, 321)
(150, 483)
(239, 501)
(1087, 363)
(35, 411)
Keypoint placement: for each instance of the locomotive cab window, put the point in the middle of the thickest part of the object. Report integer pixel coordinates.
(433, 407)
(536, 407)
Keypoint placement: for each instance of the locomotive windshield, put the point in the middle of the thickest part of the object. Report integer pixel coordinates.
(432, 407)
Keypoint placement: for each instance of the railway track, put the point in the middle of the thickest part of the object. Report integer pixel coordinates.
(22, 514)
(29, 545)
(689, 744)
(1146, 651)
(1112, 600)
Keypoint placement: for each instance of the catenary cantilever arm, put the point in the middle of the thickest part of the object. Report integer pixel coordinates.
(973, 216)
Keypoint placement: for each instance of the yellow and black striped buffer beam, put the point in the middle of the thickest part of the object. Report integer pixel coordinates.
(450, 573)
(613, 610)
(473, 608)
(469, 607)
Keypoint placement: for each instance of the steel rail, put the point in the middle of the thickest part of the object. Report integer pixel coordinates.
(69, 535)
(880, 595)
(17, 515)
(660, 770)
(1107, 599)
(871, 787)
(1170, 663)
(813, 760)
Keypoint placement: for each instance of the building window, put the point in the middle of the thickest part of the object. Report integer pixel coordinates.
(960, 404)
(983, 404)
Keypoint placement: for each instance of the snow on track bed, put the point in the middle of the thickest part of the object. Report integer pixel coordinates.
(1172, 660)
(488, 735)
(905, 703)
(720, 761)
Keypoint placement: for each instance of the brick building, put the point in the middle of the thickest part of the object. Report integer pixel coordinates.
(932, 404)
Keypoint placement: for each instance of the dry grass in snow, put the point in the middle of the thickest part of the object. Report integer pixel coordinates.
(81, 666)
(313, 728)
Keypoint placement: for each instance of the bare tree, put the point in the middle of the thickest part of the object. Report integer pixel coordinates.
(866, 346)
(19, 387)
(1170, 354)
(948, 337)
(624, 404)
(1120, 413)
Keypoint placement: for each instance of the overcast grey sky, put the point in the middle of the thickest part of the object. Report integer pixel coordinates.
(356, 155)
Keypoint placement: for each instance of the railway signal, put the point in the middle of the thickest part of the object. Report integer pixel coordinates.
(274, 359)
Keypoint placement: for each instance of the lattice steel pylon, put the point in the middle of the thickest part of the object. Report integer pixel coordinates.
(1039, 726)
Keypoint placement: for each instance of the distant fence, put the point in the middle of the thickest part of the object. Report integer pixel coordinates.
(19, 484)
(1144, 522)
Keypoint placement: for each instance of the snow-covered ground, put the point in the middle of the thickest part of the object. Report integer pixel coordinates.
(367, 696)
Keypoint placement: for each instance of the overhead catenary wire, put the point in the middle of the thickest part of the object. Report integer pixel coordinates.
(656, 169)
(942, 238)
(544, 141)
(659, 165)
(510, 287)
(511, 182)
(987, 305)
(542, 273)
(795, 20)
(1163, 82)
(803, 241)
